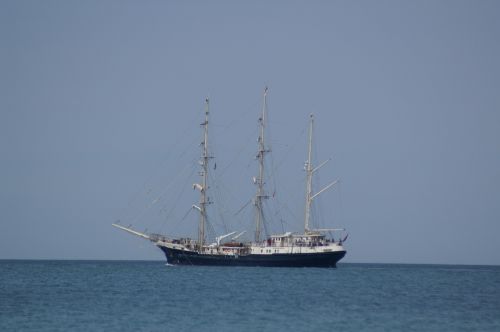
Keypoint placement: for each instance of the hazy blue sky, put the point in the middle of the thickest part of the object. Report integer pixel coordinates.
(101, 103)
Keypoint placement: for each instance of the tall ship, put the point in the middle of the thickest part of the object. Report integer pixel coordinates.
(310, 248)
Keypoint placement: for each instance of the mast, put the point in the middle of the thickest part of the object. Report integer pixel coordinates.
(204, 200)
(309, 172)
(259, 215)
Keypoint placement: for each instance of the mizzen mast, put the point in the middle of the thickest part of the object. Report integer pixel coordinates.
(259, 181)
(309, 172)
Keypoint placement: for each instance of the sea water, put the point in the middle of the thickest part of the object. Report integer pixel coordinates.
(151, 296)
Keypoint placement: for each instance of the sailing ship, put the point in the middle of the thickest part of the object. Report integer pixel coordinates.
(311, 248)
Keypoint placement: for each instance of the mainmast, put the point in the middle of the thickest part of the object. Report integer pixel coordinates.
(309, 172)
(204, 200)
(259, 216)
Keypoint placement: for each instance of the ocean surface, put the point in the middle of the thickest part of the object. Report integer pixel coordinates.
(151, 296)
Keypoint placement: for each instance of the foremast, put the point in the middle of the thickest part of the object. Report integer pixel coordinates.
(259, 181)
(204, 199)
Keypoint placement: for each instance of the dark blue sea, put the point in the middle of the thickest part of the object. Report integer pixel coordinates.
(150, 296)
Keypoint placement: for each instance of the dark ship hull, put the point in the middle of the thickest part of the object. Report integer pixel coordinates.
(181, 257)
